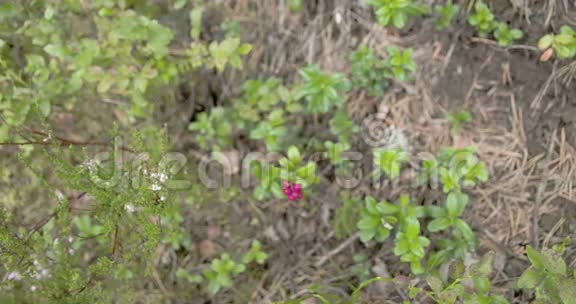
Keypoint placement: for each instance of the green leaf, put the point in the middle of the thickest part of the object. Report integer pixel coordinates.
(196, 22)
(399, 20)
(554, 262)
(529, 279)
(439, 224)
(564, 39)
(401, 247)
(368, 223)
(367, 235)
(44, 107)
(536, 258)
(567, 292)
(482, 284)
(294, 155)
(435, 283)
(516, 34)
(386, 208)
(456, 203)
(57, 51)
(463, 227)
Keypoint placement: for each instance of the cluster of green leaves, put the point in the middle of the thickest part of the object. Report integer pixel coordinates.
(458, 119)
(378, 219)
(361, 267)
(396, 12)
(485, 23)
(292, 169)
(372, 73)
(461, 285)
(322, 91)
(563, 43)
(223, 270)
(389, 161)
(445, 14)
(213, 129)
(368, 71)
(400, 64)
(454, 169)
(551, 279)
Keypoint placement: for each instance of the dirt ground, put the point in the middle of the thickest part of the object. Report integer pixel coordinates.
(524, 125)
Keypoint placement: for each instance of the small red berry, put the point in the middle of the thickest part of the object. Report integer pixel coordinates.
(296, 187)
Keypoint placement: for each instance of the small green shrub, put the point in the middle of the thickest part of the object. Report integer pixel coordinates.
(506, 36)
(549, 276)
(445, 14)
(458, 119)
(368, 71)
(396, 12)
(563, 43)
(483, 19)
(400, 64)
(322, 91)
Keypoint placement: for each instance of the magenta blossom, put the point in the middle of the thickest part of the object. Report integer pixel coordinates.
(292, 191)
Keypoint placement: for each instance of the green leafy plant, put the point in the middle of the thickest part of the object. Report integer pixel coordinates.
(342, 127)
(322, 91)
(396, 12)
(454, 168)
(271, 130)
(563, 43)
(291, 169)
(458, 119)
(409, 245)
(221, 272)
(471, 287)
(445, 14)
(389, 162)
(549, 276)
(483, 19)
(334, 151)
(400, 64)
(505, 35)
(368, 71)
(449, 216)
(295, 6)
(255, 254)
(376, 220)
(361, 267)
(213, 129)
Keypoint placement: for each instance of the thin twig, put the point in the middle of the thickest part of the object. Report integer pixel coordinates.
(337, 250)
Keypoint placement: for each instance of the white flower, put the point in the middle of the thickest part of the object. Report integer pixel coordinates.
(14, 276)
(33, 288)
(156, 187)
(129, 208)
